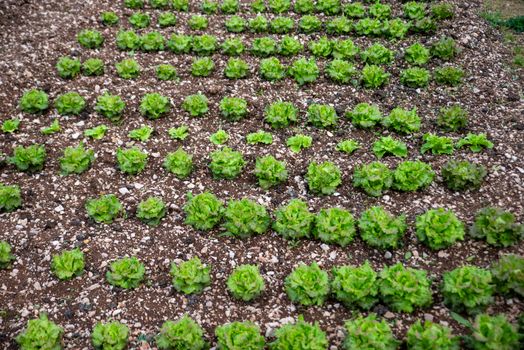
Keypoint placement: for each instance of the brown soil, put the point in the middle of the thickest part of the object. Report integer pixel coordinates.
(34, 34)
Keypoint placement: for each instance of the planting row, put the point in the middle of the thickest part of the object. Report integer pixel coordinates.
(486, 332)
(278, 114)
(411, 10)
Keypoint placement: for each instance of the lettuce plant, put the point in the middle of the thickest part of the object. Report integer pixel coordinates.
(131, 161)
(304, 6)
(334, 225)
(307, 285)
(439, 228)
(377, 54)
(442, 11)
(368, 333)
(51, 129)
(198, 22)
(166, 72)
(226, 163)
(239, 335)
(341, 71)
(415, 77)
(402, 120)
(259, 24)
(299, 142)
(468, 288)
(68, 264)
(151, 211)
(126, 273)
(229, 6)
(152, 41)
(279, 6)
(365, 115)
(202, 67)
(272, 69)
(232, 47)
(141, 134)
(179, 163)
(339, 25)
(110, 106)
(233, 108)
(281, 114)
(294, 221)
(5, 255)
(263, 47)
(110, 336)
(70, 103)
(309, 24)
(203, 211)
(128, 68)
(139, 20)
(9, 126)
(445, 48)
(437, 144)
(93, 67)
(497, 226)
(128, 40)
(109, 18)
(196, 105)
(245, 282)
(424, 25)
(348, 146)
(236, 24)
(182, 334)
(281, 25)
(453, 118)
(260, 136)
(294, 336)
(179, 43)
(166, 19)
(412, 176)
(461, 175)
(97, 132)
(374, 76)
(355, 286)
(154, 105)
(404, 289)
(417, 54)
(414, 10)
(34, 101)
(369, 27)
(90, 38)
(508, 274)
(40, 333)
(236, 68)
(304, 71)
(270, 172)
(179, 133)
(380, 229)
(209, 7)
(387, 145)
(10, 197)
(68, 68)
(374, 178)
(204, 45)
(321, 47)
(323, 178)
(244, 218)
(289, 46)
(180, 5)
(328, 7)
(29, 159)
(190, 276)
(104, 209)
(380, 11)
(431, 336)
(322, 116)
(219, 138)
(493, 332)
(476, 142)
(448, 75)
(76, 160)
